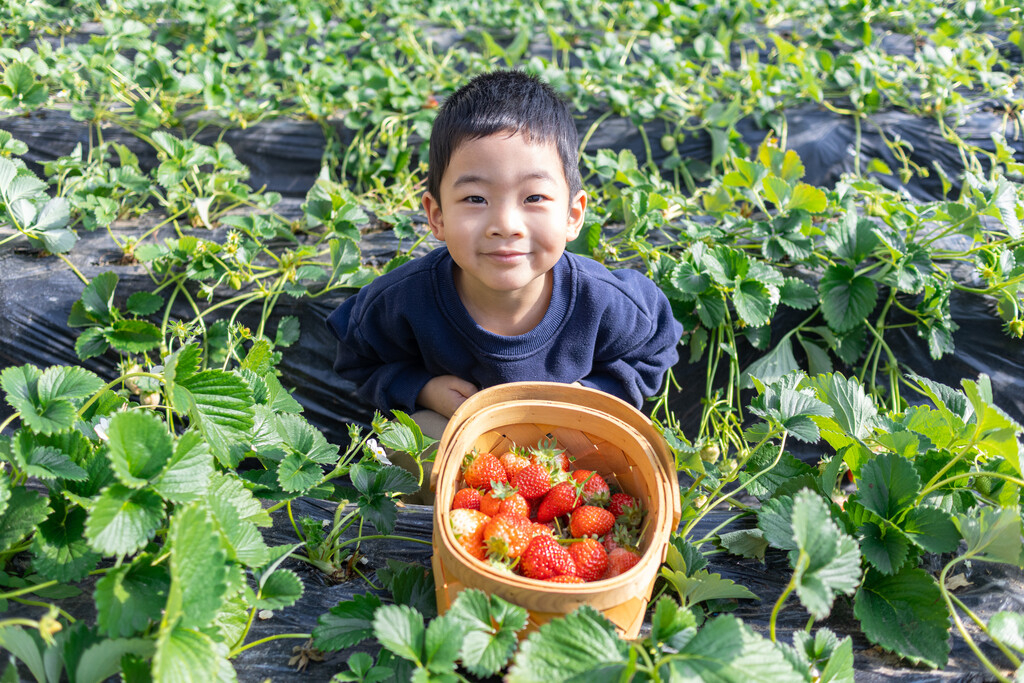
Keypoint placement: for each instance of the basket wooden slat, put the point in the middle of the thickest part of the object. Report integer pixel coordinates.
(601, 433)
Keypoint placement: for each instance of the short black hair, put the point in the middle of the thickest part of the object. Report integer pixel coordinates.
(506, 100)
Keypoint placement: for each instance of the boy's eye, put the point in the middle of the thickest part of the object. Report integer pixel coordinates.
(474, 199)
(534, 198)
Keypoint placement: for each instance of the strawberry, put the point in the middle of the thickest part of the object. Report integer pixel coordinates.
(506, 535)
(467, 498)
(562, 499)
(545, 558)
(533, 481)
(513, 460)
(516, 504)
(590, 558)
(621, 535)
(595, 488)
(480, 469)
(468, 527)
(620, 501)
(565, 578)
(620, 560)
(539, 528)
(548, 452)
(504, 498)
(590, 520)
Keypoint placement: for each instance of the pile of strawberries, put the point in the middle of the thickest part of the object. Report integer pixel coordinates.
(529, 512)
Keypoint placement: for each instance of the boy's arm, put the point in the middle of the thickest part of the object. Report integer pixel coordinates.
(445, 393)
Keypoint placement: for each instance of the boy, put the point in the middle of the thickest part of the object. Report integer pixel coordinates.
(502, 301)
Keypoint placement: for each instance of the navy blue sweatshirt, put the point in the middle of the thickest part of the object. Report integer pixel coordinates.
(608, 329)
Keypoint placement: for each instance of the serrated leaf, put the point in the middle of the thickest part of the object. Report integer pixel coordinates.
(888, 484)
(993, 535)
(748, 543)
(231, 507)
(931, 528)
(140, 446)
(703, 585)
(133, 336)
(727, 650)
(220, 404)
(44, 462)
(807, 198)
(669, 619)
(829, 560)
(347, 624)
(884, 546)
(582, 642)
(777, 363)
(98, 297)
(905, 614)
(91, 343)
(298, 474)
(198, 568)
(60, 550)
(130, 597)
(123, 520)
(303, 438)
(1008, 628)
(492, 625)
(103, 660)
(144, 303)
(27, 646)
(775, 520)
(287, 331)
(67, 382)
(281, 589)
(187, 656)
(995, 431)
(846, 298)
(399, 628)
(767, 480)
(441, 644)
(852, 408)
(186, 476)
(410, 584)
(25, 511)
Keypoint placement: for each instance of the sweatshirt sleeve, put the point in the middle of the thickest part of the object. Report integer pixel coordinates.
(639, 343)
(377, 355)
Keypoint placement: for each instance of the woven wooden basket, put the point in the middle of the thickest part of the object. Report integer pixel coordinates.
(601, 433)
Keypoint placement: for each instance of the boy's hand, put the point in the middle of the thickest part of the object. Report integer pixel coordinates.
(444, 393)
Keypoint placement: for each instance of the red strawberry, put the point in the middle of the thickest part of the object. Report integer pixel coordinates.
(533, 481)
(590, 520)
(539, 528)
(480, 469)
(466, 498)
(468, 527)
(619, 502)
(504, 498)
(595, 489)
(590, 558)
(620, 560)
(621, 536)
(548, 452)
(565, 578)
(562, 499)
(545, 558)
(513, 461)
(506, 535)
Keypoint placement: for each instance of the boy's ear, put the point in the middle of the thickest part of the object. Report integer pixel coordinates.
(432, 208)
(577, 211)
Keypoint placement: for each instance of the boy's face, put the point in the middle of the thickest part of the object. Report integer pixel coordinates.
(507, 214)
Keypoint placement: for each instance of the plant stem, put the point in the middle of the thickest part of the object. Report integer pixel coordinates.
(790, 587)
(960, 625)
(239, 650)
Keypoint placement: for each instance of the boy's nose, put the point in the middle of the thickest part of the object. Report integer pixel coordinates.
(505, 221)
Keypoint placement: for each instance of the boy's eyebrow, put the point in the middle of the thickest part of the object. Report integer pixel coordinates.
(470, 178)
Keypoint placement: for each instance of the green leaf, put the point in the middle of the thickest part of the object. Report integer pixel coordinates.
(775, 520)
(236, 514)
(27, 646)
(905, 614)
(67, 382)
(133, 336)
(755, 302)
(747, 543)
(103, 660)
(492, 625)
(297, 474)
(993, 535)
(287, 331)
(91, 343)
(669, 619)
(853, 238)
(220, 404)
(122, 520)
(582, 642)
(807, 198)
(888, 485)
(347, 624)
(98, 297)
(777, 363)
(302, 438)
(767, 478)
(21, 384)
(1008, 628)
(931, 528)
(829, 560)
(25, 511)
(144, 303)
(140, 446)
(995, 431)
(61, 552)
(198, 568)
(187, 656)
(852, 409)
(410, 584)
(441, 644)
(399, 628)
(726, 650)
(884, 546)
(703, 585)
(187, 473)
(846, 298)
(45, 462)
(130, 597)
(282, 589)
